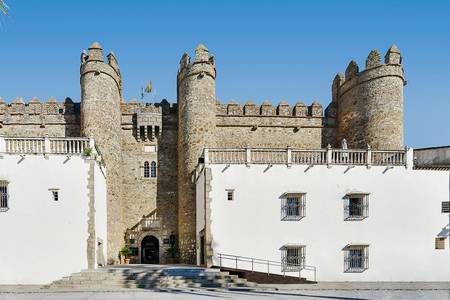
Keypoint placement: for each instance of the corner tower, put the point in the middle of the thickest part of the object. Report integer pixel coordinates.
(196, 89)
(101, 118)
(370, 102)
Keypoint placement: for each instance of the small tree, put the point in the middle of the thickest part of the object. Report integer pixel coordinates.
(125, 251)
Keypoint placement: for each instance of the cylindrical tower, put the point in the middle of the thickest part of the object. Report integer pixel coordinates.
(370, 102)
(101, 119)
(196, 130)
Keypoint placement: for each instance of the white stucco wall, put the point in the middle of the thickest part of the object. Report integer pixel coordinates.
(404, 218)
(200, 210)
(100, 209)
(42, 239)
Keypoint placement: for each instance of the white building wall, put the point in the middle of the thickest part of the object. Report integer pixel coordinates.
(100, 210)
(200, 207)
(42, 239)
(404, 218)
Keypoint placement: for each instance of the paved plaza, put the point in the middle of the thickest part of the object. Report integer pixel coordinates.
(431, 291)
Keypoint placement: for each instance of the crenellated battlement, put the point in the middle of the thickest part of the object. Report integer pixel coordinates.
(35, 107)
(202, 65)
(374, 69)
(133, 107)
(283, 109)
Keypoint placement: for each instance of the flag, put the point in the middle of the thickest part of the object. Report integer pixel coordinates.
(149, 87)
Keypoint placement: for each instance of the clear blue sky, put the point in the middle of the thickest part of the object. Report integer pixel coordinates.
(264, 49)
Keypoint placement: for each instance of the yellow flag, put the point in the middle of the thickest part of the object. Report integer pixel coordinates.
(149, 87)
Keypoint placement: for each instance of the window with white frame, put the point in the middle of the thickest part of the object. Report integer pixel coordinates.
(292, 257)
(293, 206)
(356, 206)
(356, 258)
(4, 196)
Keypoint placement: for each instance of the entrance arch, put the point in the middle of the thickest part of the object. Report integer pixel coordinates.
(150, 250)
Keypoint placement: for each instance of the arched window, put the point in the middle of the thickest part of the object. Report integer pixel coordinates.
(153, 169)
(146, 169)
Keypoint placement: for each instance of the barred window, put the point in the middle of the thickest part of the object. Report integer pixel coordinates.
(153, 169)
(293, 206)
(356, 206)
(4, 205)
(356, 259)
(292, 257)
(55, 194)
(230, 195)
(146, 169)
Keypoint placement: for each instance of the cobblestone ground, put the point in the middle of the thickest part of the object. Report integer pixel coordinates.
(222, 294)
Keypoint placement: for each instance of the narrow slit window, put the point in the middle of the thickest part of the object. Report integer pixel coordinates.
(146, 169)
(153, 169)
(149, 132)
(142, 132)
(55, 195)
(157, 130)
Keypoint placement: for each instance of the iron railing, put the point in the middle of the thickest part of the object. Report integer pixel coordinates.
(251, 264)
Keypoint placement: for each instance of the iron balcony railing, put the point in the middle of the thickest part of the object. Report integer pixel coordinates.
(270, 266)
(290, 156)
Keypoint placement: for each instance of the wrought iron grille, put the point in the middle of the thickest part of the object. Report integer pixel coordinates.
(292, 258)
(293, 207)
(356, 207)
(3, 196)
(356, 259)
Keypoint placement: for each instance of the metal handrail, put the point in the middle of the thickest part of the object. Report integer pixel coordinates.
(265, 262)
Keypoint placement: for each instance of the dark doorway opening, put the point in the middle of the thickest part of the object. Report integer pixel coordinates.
(150, 250)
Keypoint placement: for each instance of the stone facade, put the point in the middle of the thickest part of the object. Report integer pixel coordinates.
(366, 108)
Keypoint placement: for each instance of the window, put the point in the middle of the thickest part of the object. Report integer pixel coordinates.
(153, 169)
(146, 169)
(293, 206)
(439, 243)
(292, 257)
(142, 132)
(230, 195)
(356, 258)
(3, 196)
(356, 206)
(55, 195)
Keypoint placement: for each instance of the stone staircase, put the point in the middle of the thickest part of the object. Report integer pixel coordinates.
(156, 277)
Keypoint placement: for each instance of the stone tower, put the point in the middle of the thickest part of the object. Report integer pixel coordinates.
(101, 118)
(370, 102)
(196, 130)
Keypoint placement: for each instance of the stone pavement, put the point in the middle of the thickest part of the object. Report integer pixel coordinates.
(325, 290)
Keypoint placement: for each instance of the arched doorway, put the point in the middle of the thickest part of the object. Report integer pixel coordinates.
(150, 250)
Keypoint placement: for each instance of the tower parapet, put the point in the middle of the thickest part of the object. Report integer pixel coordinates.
(370, 102)
(196, 88)
(101, 98)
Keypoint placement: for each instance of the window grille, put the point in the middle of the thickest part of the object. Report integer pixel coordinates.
(146, 169)
(445, 207)
(356, 207)
(230, 195)
(55, 195)
(356, 258)
(153, 169)
(4, 196)
(292, 258)
(293, 207)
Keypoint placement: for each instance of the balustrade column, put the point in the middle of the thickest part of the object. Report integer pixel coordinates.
(289, 156)
(248, 156)
(47, 147)
(2, 144)
(206, 156)
(369, 157)
(329, 156)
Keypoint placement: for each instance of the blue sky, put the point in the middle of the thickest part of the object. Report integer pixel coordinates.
(265, 50)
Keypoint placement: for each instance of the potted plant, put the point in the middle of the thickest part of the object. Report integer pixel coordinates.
(171, 254)
(125, 253)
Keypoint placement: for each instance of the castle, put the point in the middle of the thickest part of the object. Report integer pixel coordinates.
(151, 151)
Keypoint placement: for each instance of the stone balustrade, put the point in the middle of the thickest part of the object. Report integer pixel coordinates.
(45, 145)
(289, 156)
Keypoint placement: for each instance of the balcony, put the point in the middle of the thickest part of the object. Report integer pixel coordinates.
(45, 145)
(290, 156)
